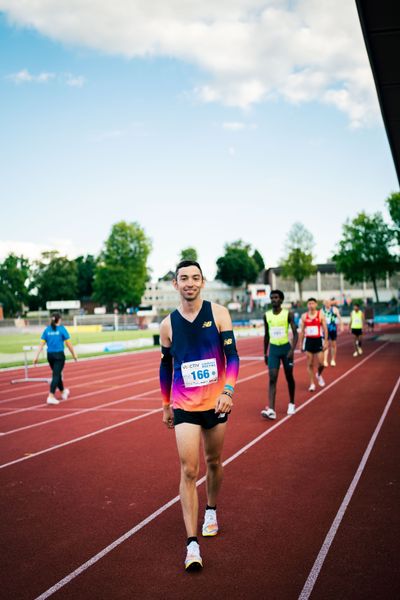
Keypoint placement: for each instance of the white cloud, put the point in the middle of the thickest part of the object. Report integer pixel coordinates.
(74, 80)
(31, 250)
(24, 76)
(234, 126)
(249, 50)
(231, 150)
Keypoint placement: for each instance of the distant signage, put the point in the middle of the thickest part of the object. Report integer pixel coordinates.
(100, 310)
(259, 291)
(63, 304)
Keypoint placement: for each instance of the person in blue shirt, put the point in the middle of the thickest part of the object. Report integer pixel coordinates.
(55, 335)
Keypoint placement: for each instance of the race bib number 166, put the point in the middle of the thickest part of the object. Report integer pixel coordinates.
(199, 372)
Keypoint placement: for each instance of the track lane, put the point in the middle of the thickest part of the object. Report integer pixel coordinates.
(74, 464)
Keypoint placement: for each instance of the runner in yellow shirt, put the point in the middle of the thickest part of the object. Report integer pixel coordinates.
(356, 326)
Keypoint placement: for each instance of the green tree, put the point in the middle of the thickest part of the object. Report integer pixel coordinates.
(86, 266)
(121, 272)
(188, 254)
(14, 275)
(236, 267)
(364, 252)
(393, 204)
(55, 277)
(298, 261)
(259, 261)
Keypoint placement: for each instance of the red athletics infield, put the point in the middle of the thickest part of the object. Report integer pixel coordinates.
(284, 484)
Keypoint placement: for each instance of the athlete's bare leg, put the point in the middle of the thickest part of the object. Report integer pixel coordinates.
(333, 350)
(273, 378)
(310, 366)
(290, 382)
(326, 355)
(213, 444)
(188, 442)
(320, 362)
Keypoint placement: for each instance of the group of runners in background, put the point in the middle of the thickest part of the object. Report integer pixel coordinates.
(198, 372)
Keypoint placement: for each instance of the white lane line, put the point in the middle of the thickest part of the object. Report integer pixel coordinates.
(80, 373)
(86, 395)
(94, 559)
(77, 412)
(94, 393)
(136, 397)
(78, 439)
(99, 391)
(87, 377)
(319, 561)
(57, 409)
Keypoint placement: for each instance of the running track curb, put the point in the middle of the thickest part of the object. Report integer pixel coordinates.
(82, 568)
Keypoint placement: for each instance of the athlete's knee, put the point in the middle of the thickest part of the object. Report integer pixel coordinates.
(190, 471)
(273, 375)
(214, 462)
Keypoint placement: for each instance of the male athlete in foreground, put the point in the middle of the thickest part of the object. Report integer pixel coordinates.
(200, 363)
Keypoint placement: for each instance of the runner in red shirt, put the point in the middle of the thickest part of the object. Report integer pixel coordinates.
(314, 332)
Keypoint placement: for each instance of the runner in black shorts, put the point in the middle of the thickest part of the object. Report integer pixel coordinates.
(312, 330)
(198, 371)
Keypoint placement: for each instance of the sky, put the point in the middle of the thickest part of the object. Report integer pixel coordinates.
(205, 122)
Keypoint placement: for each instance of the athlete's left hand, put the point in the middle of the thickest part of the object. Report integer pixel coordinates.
(224, 404)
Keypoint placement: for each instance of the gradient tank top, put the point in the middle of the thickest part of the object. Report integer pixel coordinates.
(199, 361)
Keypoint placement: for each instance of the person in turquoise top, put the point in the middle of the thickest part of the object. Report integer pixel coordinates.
(276, 338)
(55, 335)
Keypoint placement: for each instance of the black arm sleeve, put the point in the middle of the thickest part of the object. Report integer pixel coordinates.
(166, 371)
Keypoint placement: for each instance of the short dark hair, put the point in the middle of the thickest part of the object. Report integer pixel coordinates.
(188, 263)
(279, 293)
(357, 304)
(312, 299)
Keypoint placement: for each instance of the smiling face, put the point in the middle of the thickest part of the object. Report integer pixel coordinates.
(189, 283)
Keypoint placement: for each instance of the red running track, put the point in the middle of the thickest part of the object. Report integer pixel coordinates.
(76, 478)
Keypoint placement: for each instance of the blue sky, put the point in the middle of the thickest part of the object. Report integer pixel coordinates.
(181, 137)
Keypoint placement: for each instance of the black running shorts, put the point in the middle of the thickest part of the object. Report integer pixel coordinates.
(313, 345)
(356, 332)
(207, 419)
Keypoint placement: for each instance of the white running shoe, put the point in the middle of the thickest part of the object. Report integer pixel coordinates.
(360, 350)
(326, 364)
(320, 380)
(193, 560)
(65, 394)
(312, 388)
(210, 524)
(355, 353)
(52, 400)
(268, 413)
(333, 363)
(291, 409)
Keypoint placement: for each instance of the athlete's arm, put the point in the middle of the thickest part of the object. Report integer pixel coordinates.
(266, 340)
(339, 316)
(71, 349)
(224, 324)
(295, 338)
(303, 318)
(41, 346)
(325, 329)
(166, 371)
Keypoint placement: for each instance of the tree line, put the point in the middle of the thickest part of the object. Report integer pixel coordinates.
(368, 250)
